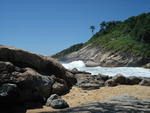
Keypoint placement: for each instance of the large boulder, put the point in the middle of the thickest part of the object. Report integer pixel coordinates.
(42, 64)
(36, 77)
(117, 79)
(88, 82)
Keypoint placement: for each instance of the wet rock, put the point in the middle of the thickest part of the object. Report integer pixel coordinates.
(74, 69)
(147, 65)
(119, 79)
(145, 82)
(89, 86)
(102, 77)
(133, 80)
(110, 82)
(90, 63)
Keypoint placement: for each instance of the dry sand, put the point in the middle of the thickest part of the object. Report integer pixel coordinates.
(78, 96)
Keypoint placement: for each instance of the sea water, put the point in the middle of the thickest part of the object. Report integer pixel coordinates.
(111, 71)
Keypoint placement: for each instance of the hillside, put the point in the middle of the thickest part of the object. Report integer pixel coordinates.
(69, 50)
(118, 43)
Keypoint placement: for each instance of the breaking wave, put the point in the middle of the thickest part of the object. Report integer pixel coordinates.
(111, 71)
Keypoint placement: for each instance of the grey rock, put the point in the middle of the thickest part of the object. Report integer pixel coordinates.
(59, 87)
(132, 80)
(6, 68)
(145, 82)
(8, 94)
(33, 86)
(119, 79)
(59, 104)
(75, 69)
(51, 98)
(90, 86)
(88, 82)
(110, 82)
(102, 77)
(147, 65)
(93, 56)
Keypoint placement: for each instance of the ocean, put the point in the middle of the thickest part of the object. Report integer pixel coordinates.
(111, 71)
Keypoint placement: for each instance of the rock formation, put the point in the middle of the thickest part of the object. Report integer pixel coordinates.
(26, 77)
(92, 56)
(87, 81)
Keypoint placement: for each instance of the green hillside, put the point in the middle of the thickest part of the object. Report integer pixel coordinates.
(130, 36)
(71, 49)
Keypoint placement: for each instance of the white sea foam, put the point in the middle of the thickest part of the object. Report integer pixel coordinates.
(111, 71)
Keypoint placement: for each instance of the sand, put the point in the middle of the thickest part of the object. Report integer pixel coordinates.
(77, 96)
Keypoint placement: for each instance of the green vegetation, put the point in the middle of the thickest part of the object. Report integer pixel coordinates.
(130, 36)
(92, 29)
(71, 49)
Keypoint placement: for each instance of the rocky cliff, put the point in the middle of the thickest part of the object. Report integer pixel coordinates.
(117, 43)
(93, 56)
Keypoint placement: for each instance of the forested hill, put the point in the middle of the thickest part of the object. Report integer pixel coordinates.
(131, 36)
(71, 49)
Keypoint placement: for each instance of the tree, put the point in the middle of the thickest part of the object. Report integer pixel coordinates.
(92, 29)
(103, 25)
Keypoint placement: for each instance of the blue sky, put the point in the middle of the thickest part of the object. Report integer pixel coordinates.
(48, 26)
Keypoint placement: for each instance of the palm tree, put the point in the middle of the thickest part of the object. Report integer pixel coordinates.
(92, 28)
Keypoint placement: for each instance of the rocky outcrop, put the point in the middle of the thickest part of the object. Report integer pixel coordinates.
(87, 81)
(93, 56)
(119, 104)
(26, 77)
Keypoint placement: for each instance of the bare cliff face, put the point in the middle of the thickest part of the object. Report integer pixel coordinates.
(100, 57)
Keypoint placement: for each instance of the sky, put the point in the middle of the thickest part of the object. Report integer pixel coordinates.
(49, 26)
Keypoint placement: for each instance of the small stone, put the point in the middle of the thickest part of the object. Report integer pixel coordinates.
(59, 104)
(51, 98)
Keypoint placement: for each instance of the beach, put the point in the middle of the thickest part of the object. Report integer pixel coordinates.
(77, 96)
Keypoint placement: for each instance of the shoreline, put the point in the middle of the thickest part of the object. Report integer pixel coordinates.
(110, 71)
